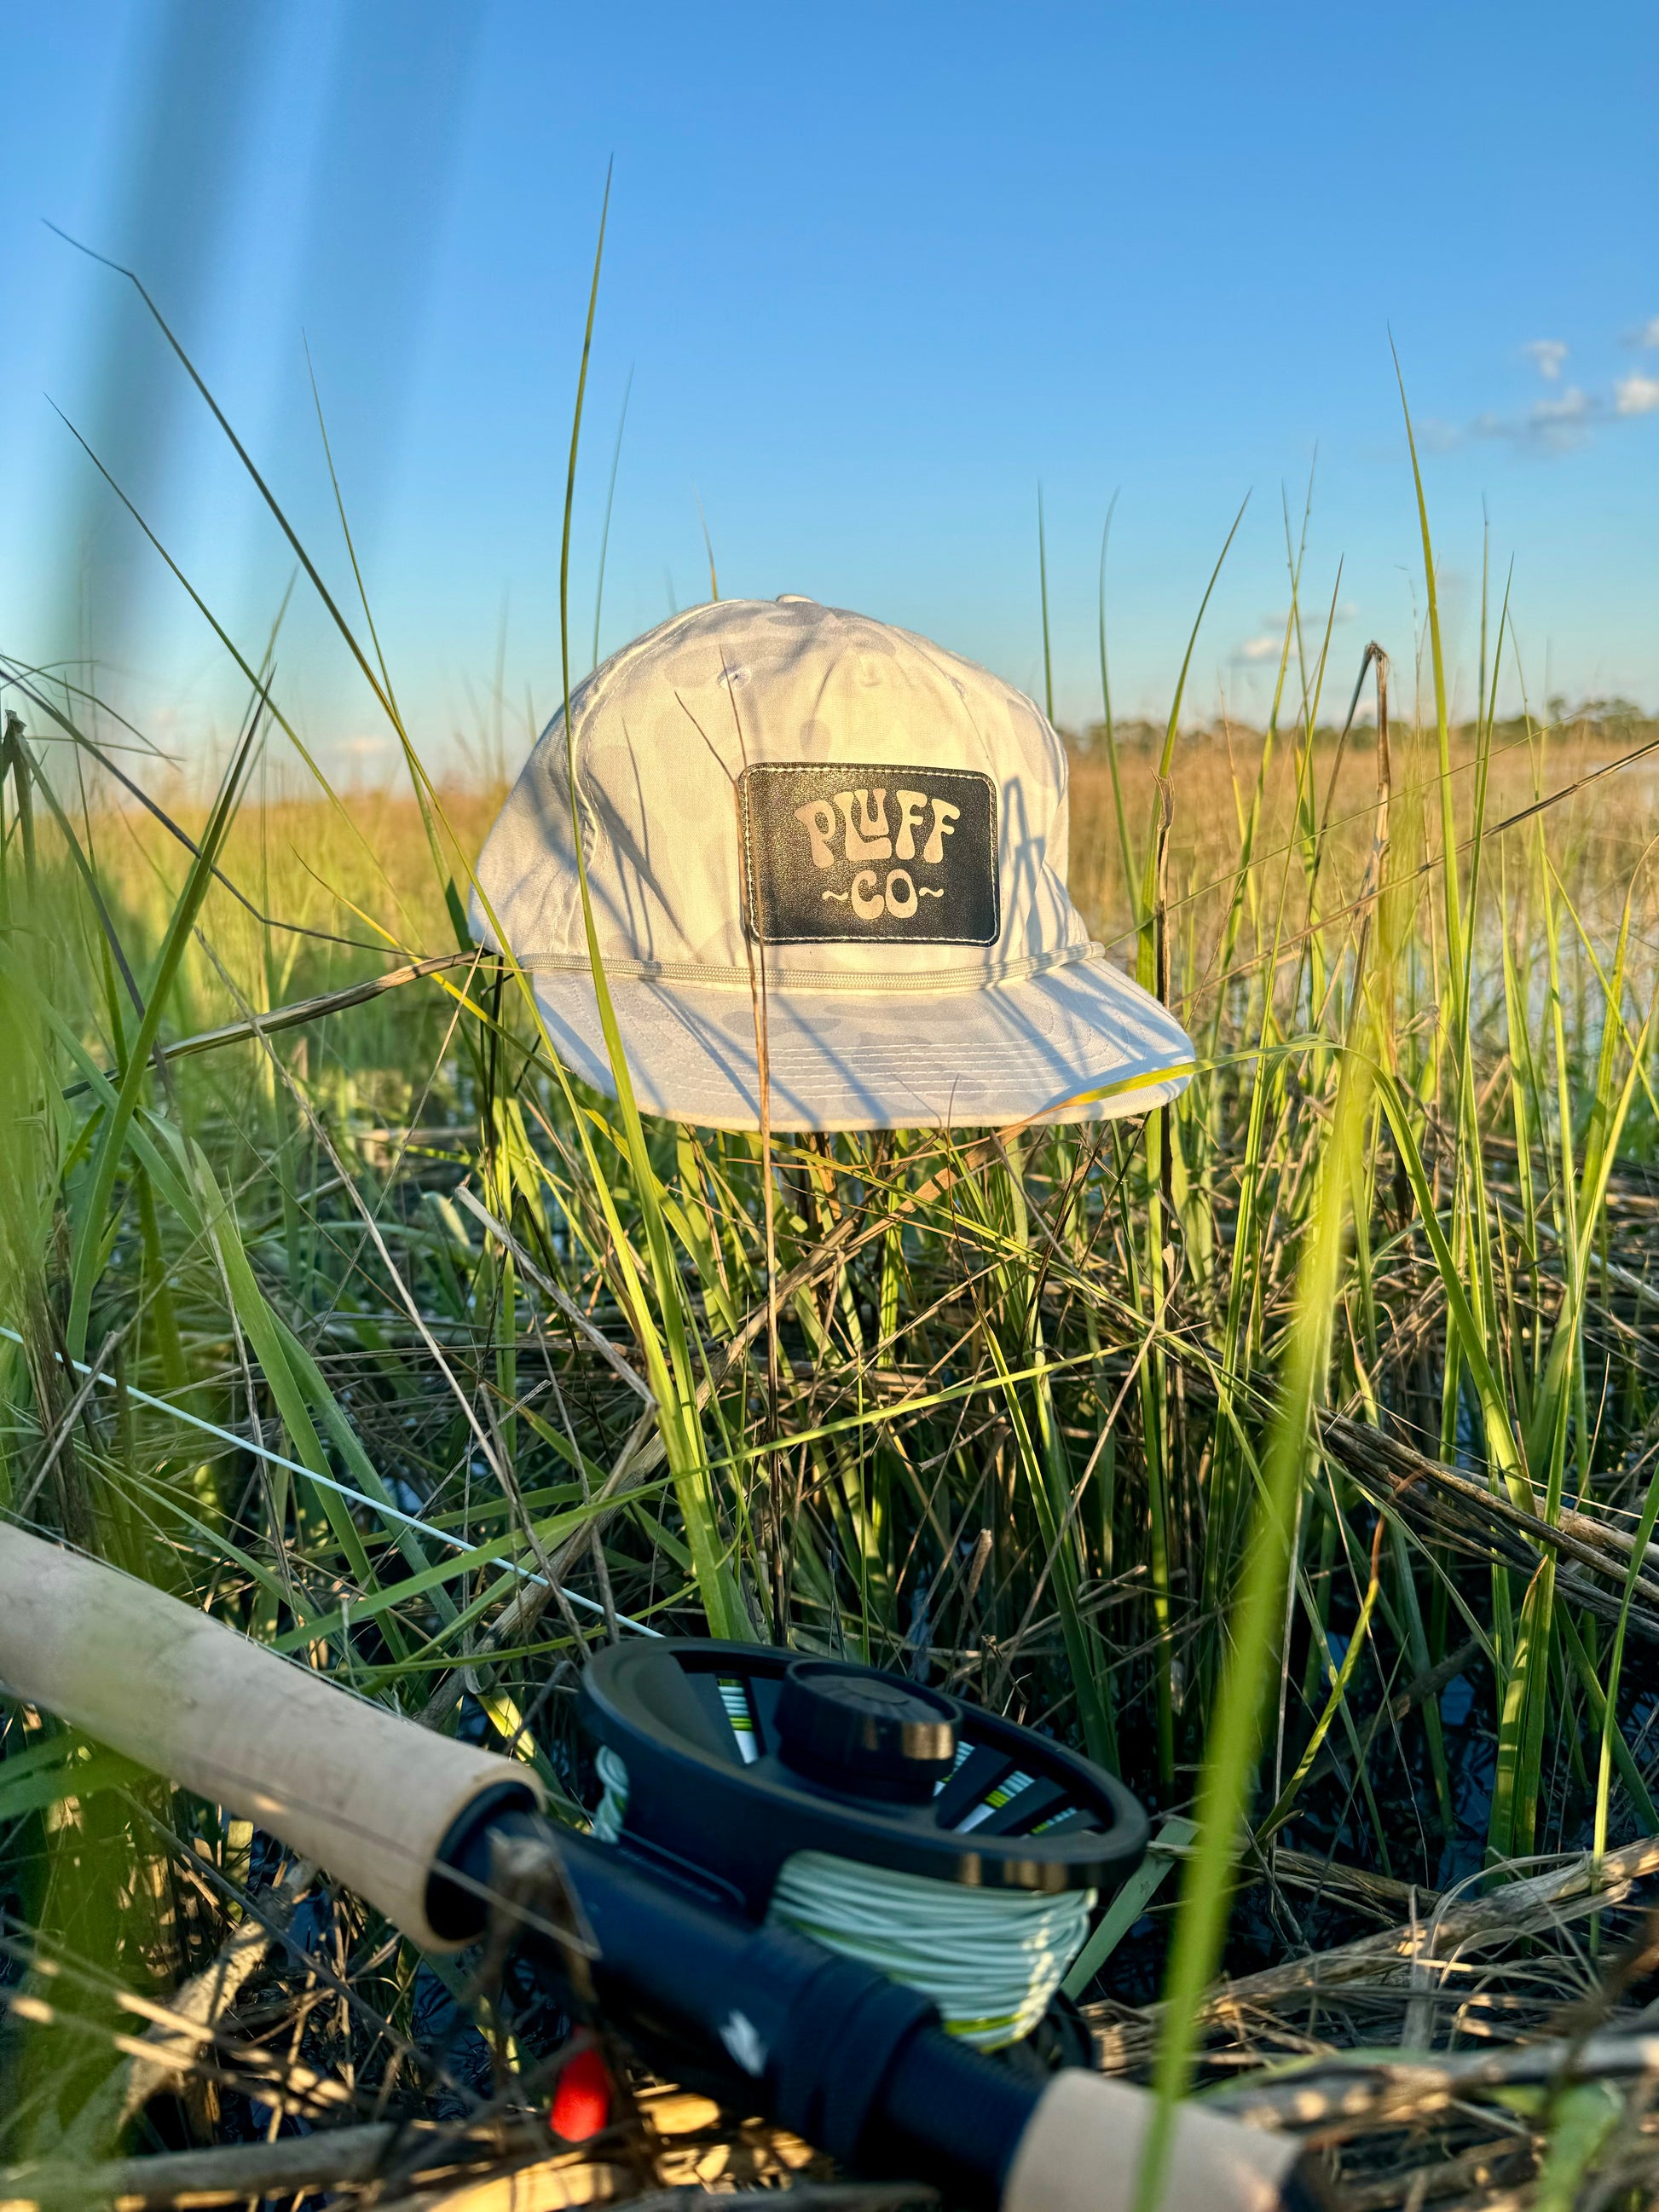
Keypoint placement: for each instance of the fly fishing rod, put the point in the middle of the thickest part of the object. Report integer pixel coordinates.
(831, 1896)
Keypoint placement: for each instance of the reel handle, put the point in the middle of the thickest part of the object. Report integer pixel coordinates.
(368, 1794)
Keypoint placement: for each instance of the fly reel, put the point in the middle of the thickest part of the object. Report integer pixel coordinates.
(959, 1852)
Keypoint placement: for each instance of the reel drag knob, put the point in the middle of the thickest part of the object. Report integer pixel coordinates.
(865, 1734)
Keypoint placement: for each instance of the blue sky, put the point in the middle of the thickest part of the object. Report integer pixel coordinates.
(876, 273)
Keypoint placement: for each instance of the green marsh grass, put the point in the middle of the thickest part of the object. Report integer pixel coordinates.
(1292, 1448)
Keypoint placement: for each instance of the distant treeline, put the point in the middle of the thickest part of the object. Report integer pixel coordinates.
(1614, 721)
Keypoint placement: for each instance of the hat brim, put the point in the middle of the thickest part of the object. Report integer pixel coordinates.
(1075, 1043)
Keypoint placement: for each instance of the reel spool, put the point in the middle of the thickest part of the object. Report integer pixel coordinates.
(959, 1852)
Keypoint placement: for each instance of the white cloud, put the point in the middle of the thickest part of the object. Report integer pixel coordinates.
(1562, 421)
(1547, 356)
(1260, 649)
(1573, 406)
(1567, 415)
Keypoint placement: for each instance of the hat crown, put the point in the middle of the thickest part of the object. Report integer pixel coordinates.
(679, 832)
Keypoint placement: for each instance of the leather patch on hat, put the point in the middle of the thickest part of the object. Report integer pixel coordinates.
(836, 850)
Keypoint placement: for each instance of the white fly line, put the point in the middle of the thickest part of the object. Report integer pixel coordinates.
(991, 1959)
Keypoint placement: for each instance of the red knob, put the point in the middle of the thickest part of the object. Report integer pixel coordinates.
(581, 2101)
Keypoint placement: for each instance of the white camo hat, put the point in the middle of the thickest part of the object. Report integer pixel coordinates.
(796, 814)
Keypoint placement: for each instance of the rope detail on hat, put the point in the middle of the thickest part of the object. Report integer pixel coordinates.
(864, 984)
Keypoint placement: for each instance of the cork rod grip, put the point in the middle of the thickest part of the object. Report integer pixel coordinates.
(368, 1794)
(1081, 2153)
